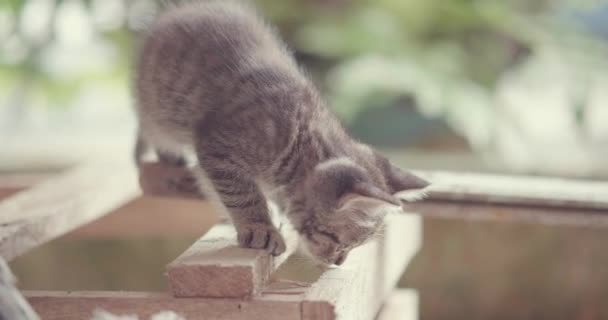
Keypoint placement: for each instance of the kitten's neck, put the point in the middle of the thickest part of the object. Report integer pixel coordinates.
(318, 143)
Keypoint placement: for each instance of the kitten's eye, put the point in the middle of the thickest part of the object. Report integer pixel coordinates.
(328, 235)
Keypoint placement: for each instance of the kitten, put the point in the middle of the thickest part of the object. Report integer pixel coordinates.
(214, 80)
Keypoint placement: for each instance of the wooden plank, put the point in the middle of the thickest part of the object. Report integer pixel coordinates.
(509, 213)
(517, 190)
(12, 305)
(62, 204)
(510, 198)
(215, 266)
(353, 291)
(402, 304)
(357, 289)
(81, 305)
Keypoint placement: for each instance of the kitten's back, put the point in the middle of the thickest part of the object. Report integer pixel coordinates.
(191, 61)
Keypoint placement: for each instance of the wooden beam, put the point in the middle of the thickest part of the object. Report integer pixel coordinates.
(353, 291)
(62, 204)
(517, 190)
(81, 305)
(509, 198)
(215, 266)
(402, 304)
(509, 213)
(357, 289)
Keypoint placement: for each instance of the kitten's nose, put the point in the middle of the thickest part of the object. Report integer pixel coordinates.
(340, 259)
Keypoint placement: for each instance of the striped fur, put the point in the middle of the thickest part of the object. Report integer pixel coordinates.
(213, 80)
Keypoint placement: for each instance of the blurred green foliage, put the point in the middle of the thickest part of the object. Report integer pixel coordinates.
(442, 56)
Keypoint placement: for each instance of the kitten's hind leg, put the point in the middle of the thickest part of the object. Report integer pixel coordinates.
(245, 203)
(171, 159)
(174, 180)
(184, 181)
(142, 148)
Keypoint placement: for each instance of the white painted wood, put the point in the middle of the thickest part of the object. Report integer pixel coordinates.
(402, 304)
(357, 289)
(517, 190)
(62, 204)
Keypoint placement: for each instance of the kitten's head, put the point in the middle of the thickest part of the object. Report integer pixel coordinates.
(346, 207)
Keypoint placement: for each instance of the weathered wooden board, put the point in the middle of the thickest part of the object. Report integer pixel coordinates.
(62, 204)
(509, 198)
(357, 289)
(402, 304)
(517, 190)
(215, 266)
(509, 213)
(353, 291)
(81, 305)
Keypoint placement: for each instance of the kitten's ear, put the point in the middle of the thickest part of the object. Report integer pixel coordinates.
(399, 179)
(338, 181)
(368, 199)
(371, 191)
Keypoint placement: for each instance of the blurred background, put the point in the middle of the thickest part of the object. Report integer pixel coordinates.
(516, 87)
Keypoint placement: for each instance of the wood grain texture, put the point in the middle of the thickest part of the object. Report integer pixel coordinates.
(517, 190)
(12, 305)
(215, 266)
(401, 304)
(357, 289)
(81, 305)
(62, 204)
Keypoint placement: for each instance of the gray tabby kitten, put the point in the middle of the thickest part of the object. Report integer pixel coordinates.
(213, 79)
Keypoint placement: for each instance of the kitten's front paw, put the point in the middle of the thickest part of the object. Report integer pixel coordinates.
(261, 236)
